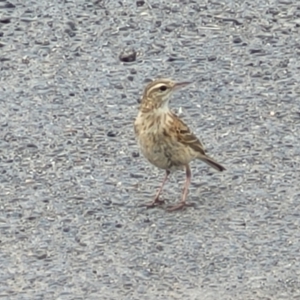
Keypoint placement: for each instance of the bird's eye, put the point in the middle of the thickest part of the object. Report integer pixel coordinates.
(163, 88)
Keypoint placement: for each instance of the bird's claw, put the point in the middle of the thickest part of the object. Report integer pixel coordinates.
(154, 203)
(180, 205)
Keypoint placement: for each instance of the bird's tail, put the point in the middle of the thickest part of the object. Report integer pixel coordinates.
(211, 162)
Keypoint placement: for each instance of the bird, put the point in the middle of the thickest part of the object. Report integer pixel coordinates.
(165, 140)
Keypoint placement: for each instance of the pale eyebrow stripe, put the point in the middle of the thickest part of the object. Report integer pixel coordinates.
(155, 86)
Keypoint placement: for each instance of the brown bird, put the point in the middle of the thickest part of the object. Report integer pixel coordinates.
(164, 139)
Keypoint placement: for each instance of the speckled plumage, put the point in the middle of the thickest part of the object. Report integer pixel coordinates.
(164, 139)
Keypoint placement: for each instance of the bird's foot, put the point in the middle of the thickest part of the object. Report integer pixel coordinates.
(154, 203)
(180, 205)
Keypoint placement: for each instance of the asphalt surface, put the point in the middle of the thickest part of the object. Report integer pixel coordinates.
(71, 177)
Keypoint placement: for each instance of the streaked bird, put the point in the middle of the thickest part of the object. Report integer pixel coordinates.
(164, 139)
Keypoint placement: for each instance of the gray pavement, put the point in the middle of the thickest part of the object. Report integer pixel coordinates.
(71, 179)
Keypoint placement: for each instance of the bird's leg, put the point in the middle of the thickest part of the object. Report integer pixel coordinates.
(183, 203)
(156, 200)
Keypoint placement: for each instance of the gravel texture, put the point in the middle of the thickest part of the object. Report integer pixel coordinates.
(71, 177)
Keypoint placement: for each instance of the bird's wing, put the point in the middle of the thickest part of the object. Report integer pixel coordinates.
(185, 136)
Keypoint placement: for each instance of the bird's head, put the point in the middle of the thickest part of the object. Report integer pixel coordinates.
(157, 93)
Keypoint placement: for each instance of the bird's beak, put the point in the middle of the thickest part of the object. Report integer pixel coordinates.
(179, 85)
